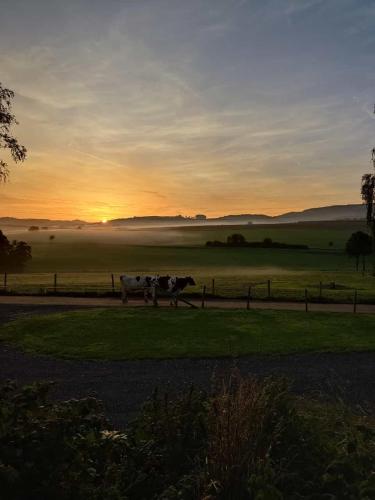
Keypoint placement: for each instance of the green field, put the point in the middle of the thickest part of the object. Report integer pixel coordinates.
(100, 252)
(139, 333)
(163, 249)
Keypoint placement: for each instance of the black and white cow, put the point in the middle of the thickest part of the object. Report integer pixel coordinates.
(174, 285)
(145, 283)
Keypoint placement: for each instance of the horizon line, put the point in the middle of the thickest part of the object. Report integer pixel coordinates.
(187, 217)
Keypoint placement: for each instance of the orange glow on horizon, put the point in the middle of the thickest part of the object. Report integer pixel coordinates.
(40, 189)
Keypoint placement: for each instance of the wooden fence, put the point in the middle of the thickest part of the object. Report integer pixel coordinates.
(108, 284)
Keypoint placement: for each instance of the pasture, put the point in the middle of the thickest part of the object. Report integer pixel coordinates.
(115, 334)
(98, 252)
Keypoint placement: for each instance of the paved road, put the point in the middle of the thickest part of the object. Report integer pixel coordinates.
(216, 303)
(124, 385)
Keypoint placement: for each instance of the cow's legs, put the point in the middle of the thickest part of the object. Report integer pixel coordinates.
(124, 295)
(154, 297)
(173, 301)
(145, 295)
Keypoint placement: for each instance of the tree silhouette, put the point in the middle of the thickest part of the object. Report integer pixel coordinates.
(368, 196)
(4, 248)
(7, 141)
(236, 239)
(19, 255)
(13, 256)
(267, 242)
(359, 244)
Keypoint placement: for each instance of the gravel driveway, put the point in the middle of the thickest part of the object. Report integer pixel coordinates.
(124, 385)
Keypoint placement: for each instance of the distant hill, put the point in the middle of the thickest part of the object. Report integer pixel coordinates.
(178, 220)
(151, 220)
(334, 212)
(244, 218)
(25, 223)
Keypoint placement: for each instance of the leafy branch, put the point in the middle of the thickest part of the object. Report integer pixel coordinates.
(7, 141)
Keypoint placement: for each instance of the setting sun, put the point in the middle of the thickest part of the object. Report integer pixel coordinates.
(104, 221)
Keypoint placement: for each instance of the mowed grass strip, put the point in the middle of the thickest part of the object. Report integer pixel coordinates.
(116, 334)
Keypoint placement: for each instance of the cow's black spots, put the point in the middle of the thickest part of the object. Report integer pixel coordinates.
(163, 282)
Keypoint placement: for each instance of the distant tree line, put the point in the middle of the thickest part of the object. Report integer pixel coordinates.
(238, 240)
(13, 255)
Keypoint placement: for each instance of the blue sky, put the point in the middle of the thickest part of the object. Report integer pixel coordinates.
(167, 106)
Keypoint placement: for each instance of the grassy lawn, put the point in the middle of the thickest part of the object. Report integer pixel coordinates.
(147, 333)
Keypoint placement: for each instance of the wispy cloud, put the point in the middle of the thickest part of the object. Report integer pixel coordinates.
(219, 107)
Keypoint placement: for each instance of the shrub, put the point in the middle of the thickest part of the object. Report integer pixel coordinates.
(247, 440)
(237, 240)
(246, 420)
(55, 450)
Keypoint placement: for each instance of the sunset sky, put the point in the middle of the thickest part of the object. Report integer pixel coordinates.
(138, 107)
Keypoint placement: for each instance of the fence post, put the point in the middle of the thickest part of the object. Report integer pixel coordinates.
(269, 288)
(113, 283)
(320, 290)
(213, 286)
(355, 302)
(248, 298)
(55, 282)
(203, 295)
(306, 304)
(5, 279)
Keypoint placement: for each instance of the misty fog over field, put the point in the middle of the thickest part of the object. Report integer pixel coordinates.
(330, 235)
(102, 235)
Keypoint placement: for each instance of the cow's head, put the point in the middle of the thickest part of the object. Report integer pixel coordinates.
(190, 281)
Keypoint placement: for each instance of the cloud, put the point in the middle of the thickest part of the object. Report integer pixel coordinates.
(298, 6)
(225, 103)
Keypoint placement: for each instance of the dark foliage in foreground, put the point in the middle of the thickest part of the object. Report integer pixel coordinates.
(13, 255)
(249, 440)
(238, 240)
